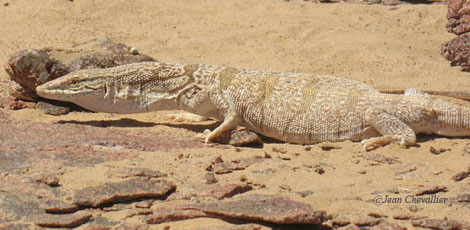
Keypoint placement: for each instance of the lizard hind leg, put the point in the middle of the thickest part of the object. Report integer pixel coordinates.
(393, 130)
(226, 108)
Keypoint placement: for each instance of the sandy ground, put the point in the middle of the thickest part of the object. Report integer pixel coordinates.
(389, 47)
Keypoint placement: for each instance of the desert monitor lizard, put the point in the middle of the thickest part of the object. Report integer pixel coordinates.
(297, 108)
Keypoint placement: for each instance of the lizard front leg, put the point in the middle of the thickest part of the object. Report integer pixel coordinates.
(226, 109)
(392, 129)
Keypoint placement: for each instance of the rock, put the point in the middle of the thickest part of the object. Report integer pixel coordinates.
(305, 193)
(237, 227)
(270, 209)
(387, 226)
(131, 226)
(463, 198)
(218, 166)
(437, 224)
(52, 109)
(457, 51)
(460, 175)
(58, 206)
(49, 179)
(430, 190)
(327, 146)
(458, 14)
(391, 2)
(407, 217)
(96, 196)
(14, 226)
(240, 137)
(140, 172)
(21, 93)
(31, 68)
(97, 227)
(340, 221)
(210, 178)
(63, 220)
(437, 151)
(16, 105)
(381, 159)
(104, 53)
(188, 191)
(279, 150)
(174, 213)
(366, 221)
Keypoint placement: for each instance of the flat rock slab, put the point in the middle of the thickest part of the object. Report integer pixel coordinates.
(63, 220)
(440, 224)
(266, 208)
(236, 227)
(188, 191)
(31, 144)
(96, 196)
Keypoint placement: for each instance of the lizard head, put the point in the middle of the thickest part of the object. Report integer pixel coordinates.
(74, 87)
(451, 117)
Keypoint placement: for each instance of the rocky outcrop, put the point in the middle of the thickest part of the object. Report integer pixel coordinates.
(457, 49)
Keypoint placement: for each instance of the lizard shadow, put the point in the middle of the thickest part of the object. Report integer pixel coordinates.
(132, 123)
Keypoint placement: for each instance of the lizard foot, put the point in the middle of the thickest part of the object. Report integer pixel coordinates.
(186, 117)
(202, 136)
(375, 142)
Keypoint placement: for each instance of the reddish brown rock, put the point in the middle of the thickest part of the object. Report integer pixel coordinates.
(430, 190)
(58, 206)
(366, 221)
(340, 221)
(87, 143)
(104, 53)
(210, 178)
(187, 191)
(122, 191)
(241, 137)
(460, 175)
(458, 14)
(14, 226)
(97, 227)
(387, 226)
(438, 224)
(31, 68)
(63, 220)
(46, 178)
(237, 227)
(16, 105)
(131, 226)
(270, 209)
(52, 109)
(457, 51)
(463, 198)
(175, 213)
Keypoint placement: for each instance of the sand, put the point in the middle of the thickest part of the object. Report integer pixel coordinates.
(388, 47)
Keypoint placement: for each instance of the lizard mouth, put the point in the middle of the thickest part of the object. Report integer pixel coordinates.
(54, 93)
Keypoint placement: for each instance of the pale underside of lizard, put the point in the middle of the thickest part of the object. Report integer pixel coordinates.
(297, 108)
